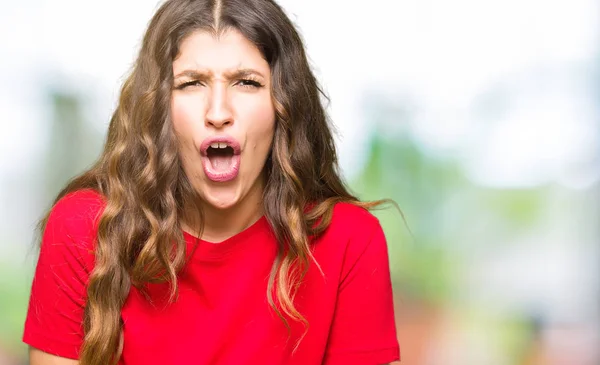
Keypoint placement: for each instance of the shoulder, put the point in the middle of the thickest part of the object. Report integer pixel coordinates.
(74, 217)
(353, 222)
(78, 203)
(351, 248)
(65, 262)
(351, 232)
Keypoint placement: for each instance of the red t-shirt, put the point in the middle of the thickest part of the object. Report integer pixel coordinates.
(222, 315)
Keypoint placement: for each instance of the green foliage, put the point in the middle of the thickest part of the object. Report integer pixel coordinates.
(399, 170)
(73, 144)
(15, 285)
(449, 216)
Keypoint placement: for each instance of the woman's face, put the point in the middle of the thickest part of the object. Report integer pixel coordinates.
(223, 115)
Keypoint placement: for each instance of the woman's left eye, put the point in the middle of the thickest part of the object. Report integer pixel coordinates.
(249, 83)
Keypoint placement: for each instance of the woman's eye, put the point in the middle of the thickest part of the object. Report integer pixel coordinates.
(189, 83)
(249, 83)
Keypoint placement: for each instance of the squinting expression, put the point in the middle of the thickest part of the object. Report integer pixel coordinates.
(223, 115)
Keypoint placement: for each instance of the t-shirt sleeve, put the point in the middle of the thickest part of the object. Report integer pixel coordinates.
(364, 330)
(54, 322)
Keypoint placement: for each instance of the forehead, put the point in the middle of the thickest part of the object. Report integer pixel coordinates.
(230, 50)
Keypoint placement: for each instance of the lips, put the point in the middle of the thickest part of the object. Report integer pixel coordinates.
(220, 158)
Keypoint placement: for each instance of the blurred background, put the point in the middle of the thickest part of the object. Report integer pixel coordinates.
(481, 119)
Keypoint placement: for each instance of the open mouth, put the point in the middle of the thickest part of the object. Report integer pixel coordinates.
(220, 155)
(221, 158)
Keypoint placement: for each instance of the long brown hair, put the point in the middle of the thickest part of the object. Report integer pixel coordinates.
(141, 177)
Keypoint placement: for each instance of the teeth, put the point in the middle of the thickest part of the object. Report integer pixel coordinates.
(219, 145)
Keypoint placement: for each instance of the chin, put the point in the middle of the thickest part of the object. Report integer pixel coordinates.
(221, 197)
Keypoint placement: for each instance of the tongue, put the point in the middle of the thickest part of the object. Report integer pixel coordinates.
(220, 163)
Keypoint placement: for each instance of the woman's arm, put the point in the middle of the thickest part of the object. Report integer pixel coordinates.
(38, 357)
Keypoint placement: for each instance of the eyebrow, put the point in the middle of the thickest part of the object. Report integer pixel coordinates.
(235, 74)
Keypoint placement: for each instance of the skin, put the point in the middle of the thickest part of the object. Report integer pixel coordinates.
(38, 357)
(214, 96)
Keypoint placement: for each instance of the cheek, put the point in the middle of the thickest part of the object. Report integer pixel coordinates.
(185, 115)
(262, 124)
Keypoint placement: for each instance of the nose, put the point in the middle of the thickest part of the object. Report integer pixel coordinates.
(219, 111)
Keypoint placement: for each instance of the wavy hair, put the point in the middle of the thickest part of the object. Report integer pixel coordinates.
(141, 177)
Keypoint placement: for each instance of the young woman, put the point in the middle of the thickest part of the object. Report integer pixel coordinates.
(214, 228)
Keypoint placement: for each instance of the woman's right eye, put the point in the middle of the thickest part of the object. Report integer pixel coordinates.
(188, 84)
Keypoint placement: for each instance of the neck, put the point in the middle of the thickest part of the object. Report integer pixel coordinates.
(221, 224)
